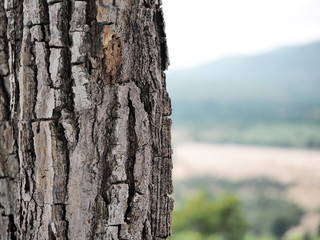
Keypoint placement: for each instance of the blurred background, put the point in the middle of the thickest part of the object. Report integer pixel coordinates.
(244, 81)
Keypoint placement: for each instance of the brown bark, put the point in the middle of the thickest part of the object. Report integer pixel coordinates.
(85, 134)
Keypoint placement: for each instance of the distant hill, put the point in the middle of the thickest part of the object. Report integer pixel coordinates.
(278, 87)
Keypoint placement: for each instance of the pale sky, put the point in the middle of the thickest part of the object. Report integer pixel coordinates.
(202, 30)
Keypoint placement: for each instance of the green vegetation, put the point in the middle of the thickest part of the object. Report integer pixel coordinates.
(269, 99)
(226, 210)
(272, 216)
(299, 135)
(203, 218)
(306, 236)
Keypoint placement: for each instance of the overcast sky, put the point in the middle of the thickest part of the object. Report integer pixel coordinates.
(202, 30)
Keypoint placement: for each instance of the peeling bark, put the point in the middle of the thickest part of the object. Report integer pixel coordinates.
(85, 135)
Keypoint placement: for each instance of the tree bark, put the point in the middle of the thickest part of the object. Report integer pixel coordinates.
(84, 128)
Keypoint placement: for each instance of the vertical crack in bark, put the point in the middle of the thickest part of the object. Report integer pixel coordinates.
(16, 48)
(52, 234)
(145, 98)
(70, 81)
(65, 152)
(29, 157)
(27, 182)
(46, 37)
(12, 227)
(35, 70)
(5, 72)
(8, 174)
(159, 22)
(4, 107)
(132, 149)
(69, 99)
(106, 165)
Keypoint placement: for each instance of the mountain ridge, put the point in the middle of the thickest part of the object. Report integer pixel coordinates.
(281, 87)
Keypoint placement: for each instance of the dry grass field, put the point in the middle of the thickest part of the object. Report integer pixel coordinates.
(299, 167)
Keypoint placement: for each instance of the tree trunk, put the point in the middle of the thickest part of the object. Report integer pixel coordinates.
(84, 128)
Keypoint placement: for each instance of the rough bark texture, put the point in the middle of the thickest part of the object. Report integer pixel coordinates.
(85, 135)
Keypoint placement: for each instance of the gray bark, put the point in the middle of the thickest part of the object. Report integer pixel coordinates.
(85, 135)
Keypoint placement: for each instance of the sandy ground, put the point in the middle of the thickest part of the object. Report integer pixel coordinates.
(301, 167)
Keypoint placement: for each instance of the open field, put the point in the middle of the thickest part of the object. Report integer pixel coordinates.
(297, 166)
(299, 169)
